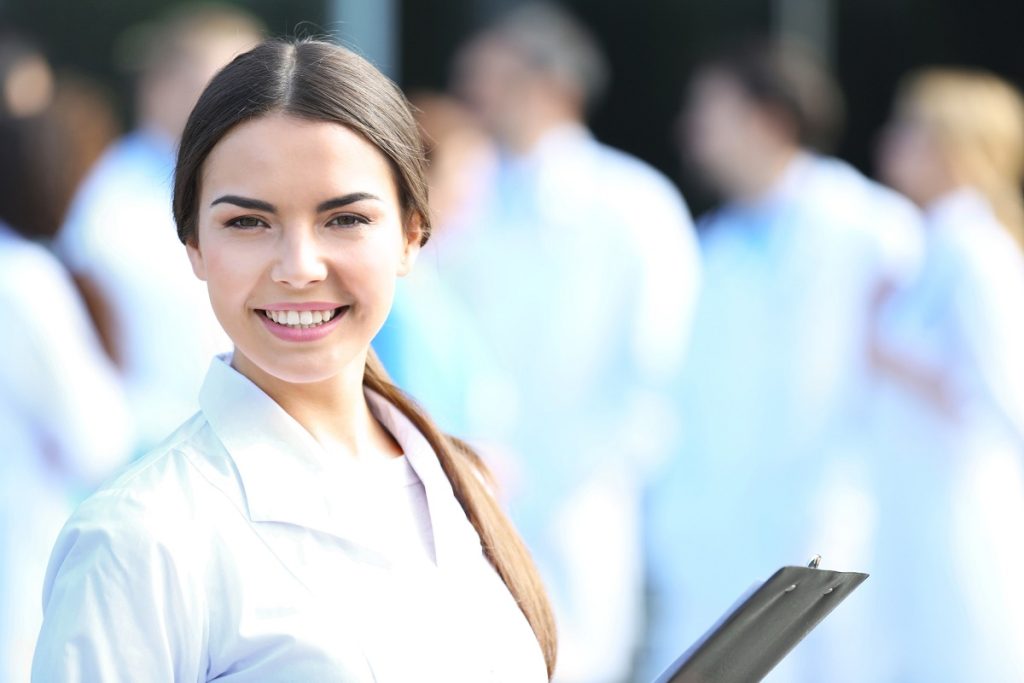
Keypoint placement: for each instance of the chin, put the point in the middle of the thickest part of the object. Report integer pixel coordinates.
(304, 366)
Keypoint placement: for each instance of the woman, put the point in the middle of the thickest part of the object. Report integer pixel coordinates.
(310, 523)
(949, 442)
(62, 414)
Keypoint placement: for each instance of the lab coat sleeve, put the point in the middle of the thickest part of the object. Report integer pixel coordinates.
(992, 331)
(602, 610)
(900, 238)
(669, 277)
(83, 411)
(667, 282)
(117, 606)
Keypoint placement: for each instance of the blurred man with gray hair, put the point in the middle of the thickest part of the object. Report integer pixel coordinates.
(579, 264)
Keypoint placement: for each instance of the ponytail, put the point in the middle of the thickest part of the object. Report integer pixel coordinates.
(468, 475)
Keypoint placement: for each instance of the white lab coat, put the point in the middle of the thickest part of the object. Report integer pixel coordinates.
(63, 428)
(945, 490)
(579, 265)
(776, 370)
(237, 551)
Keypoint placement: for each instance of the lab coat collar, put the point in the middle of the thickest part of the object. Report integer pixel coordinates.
(553, 143)
(791, 182)
(288, 477)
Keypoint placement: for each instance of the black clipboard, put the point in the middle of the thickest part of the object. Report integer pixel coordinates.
(764, 627)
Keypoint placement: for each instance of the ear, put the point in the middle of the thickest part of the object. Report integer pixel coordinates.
(412, 236)
(195, 257)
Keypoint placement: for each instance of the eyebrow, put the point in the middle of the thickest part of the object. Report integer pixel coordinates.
(260, 205)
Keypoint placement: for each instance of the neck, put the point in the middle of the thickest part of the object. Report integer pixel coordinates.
(531, 131)
(333, 410)
(763, 172)
(941, 188)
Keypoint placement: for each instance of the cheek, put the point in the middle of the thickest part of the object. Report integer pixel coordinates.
(713, 132)
(370, 270)
(231, 274)
(904, 160)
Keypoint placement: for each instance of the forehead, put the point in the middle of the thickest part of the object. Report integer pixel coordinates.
(284, 156)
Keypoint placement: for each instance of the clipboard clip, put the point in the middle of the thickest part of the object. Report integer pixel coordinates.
(815, 562)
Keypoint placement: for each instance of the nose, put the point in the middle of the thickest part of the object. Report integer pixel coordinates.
(300, 261)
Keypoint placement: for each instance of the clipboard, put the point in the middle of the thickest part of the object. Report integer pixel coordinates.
(764, 626)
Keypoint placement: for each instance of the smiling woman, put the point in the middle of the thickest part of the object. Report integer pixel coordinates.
(312, 222)
(310, 522)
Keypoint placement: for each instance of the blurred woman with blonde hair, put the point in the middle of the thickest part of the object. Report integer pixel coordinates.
(949, 433)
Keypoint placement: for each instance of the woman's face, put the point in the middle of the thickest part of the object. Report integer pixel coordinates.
(909, 157)
(300, 239)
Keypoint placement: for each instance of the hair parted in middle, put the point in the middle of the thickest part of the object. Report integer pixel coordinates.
(320, 81)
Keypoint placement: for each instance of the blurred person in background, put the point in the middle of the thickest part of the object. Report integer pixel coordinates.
(579, 264)
(429, 343)
(63, 420)
(458, 148)
(795, 262)
(118, 238)
(947, 438)
(85, 111)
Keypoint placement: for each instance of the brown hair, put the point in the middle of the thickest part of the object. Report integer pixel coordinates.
(323, 82)
(789, 79)
(33, 172)
(977, 120)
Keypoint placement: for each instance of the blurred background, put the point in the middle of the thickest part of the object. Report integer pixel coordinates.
(652, 46)
(715, 285)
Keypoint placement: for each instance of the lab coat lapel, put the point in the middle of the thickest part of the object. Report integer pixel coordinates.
(455, 539)
(285, 472)
(283, 469)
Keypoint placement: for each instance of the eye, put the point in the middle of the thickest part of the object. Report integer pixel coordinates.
(348, 220)
(246, 223)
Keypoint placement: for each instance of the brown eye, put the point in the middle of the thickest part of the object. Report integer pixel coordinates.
(347, 220)
(247, 222)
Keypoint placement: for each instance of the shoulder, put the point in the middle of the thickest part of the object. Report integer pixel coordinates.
(20, 258)
(23, 261)
(980, 251)
(634, 174)
(630, 193)
(124, 182)
(864, 216)
(167, 495)
(126, 590)
(841, 190)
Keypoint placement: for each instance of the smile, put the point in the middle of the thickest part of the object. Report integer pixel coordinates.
(303, 319)
(307, 325)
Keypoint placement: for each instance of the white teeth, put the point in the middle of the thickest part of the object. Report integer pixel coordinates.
(300, 319)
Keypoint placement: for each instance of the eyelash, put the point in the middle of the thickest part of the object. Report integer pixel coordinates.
(352, 220)
(236, 223)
